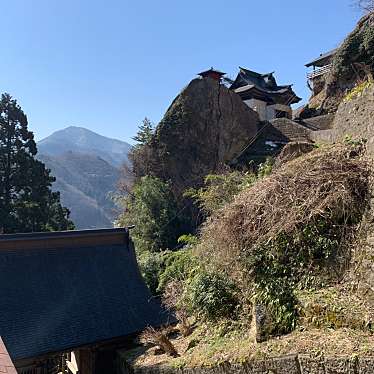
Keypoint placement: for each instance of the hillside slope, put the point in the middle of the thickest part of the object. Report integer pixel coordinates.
(85, 182)
(79, 139)
(87, 167)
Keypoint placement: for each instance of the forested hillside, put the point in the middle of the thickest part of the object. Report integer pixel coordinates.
(87, 169)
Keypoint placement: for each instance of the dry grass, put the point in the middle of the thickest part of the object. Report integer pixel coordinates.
(321, 341)
(328, 183)
(213, 348)
(335, 307)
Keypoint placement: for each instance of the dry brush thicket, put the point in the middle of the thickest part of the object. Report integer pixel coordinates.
(330, 184)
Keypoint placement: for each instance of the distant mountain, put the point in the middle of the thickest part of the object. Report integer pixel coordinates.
(87, 168)
(81, 140)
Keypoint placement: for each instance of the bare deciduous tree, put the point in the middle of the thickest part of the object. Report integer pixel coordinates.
(365, 5)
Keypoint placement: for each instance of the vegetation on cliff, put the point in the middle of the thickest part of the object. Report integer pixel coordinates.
(353, 64)
(356, 55)
(272, 258)
(151, 207)
(274, 248)
(205, 128)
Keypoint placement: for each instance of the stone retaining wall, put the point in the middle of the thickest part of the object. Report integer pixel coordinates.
(290, 364)
(354, 118)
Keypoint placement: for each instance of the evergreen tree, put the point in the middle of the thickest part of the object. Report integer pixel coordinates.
(140, 155)
(27, 203)
(145, 132)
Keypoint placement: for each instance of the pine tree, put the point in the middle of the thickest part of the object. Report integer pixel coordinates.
(27, 203)
(145, 132)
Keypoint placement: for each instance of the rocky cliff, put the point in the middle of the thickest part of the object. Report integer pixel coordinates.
(352, 63)
(206, 126)
(353, 122)
(354, 118)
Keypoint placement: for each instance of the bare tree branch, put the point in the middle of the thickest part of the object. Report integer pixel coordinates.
(365, 5)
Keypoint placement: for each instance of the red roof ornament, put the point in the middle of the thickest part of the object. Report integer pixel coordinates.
(212, 73)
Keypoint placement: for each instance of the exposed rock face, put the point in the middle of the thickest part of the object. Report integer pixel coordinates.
(353, 61)
(205, 127)
(353, 118)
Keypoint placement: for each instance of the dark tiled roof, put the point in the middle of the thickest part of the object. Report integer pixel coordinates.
(293, 131)
(322, 59)
(249, 84)
(211, 70)
(66, 290)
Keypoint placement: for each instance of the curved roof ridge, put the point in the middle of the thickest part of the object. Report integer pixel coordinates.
(255, 73)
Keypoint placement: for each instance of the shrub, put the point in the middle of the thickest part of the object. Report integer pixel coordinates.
(220, 189)
(177, 266)
(288, 262)
(158, 269)
(151, 266)
(358, 90)
(151, 207)
(291, 229)
(188, 239)
(265, 168)
(334, 308)
(172, 299)
(326, 186)
(212, 296)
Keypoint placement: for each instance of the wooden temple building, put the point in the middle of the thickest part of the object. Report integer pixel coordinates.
(321, 67)
(70, 300)
(212, 73)
(262, 93)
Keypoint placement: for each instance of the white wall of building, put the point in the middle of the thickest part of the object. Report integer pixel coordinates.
(267, 112)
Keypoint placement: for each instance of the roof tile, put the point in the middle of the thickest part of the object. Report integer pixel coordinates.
(53, 299)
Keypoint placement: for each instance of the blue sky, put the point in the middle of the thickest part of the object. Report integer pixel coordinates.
(105, 65)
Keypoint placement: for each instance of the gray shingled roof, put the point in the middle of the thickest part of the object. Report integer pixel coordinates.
(60, 297)
(322, 59)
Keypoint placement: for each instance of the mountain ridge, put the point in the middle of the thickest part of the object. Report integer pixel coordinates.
(86, 166)
(80, 139)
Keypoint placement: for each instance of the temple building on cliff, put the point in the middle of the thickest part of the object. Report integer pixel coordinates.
(321, 67)
(212, 73)
(262, 93)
